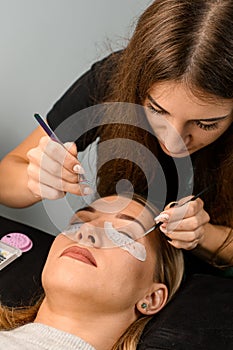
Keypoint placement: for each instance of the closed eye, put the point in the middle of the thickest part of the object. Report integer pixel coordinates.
(206, 127)
(126, 234)
(154, 110)
(74, 226)
(199, 123)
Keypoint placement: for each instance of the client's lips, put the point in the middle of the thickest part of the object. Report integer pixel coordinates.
(81, 254)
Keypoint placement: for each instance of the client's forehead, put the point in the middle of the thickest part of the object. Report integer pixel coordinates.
(117, 204)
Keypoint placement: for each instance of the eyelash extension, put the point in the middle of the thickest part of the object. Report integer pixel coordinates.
(74, 226)
(206, 127)
(126, 234)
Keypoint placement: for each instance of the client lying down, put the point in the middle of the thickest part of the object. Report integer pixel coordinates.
(103, 280)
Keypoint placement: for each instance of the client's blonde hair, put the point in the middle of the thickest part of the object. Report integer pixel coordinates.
(169, 270)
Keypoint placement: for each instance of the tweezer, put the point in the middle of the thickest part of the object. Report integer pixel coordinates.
(174, 204)
(47, 129)
(54, 137)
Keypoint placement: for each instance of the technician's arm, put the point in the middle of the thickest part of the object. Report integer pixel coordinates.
(39, 168)
(216, 245)
(14, 191)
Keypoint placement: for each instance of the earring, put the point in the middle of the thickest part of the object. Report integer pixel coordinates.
(144, 305)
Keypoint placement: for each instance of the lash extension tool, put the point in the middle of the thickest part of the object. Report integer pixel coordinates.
(175, 204)
(54, 137)
(47, 129)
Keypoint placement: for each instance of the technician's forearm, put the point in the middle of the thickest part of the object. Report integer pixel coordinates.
(13, 183)
(217, 245)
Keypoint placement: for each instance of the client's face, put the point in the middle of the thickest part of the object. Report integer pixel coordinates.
(102, 278)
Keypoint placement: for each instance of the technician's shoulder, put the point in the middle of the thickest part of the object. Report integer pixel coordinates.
(86, 91)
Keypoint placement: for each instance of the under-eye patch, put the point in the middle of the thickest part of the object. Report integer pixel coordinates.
(105, 237)
(119, 239)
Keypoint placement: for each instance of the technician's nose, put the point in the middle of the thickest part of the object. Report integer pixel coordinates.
(178, 138)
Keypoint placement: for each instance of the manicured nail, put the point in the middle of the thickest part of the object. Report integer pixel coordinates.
(163, 228)
(87, 190)
(82, 178)
(78, 169)
(161, 217)
(173, 204)
(68, 144)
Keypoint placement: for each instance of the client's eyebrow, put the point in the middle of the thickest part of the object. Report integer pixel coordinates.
(130, 218)
(75, 217)
(119, 215)
(90, 209)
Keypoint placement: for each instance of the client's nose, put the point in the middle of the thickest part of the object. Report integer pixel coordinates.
(86, 236)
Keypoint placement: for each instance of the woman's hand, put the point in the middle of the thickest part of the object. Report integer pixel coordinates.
(54, 170)
(184, 223)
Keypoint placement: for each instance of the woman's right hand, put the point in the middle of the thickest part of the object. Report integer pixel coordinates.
(54, 170)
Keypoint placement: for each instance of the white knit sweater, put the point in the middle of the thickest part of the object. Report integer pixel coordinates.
(36, 336)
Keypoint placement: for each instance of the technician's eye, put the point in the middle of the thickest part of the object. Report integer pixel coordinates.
(206, 127)
(155, 111)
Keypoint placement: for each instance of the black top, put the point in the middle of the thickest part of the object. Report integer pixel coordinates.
(88, 90)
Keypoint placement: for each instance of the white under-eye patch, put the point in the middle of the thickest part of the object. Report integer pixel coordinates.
(119, 239)
(71, 231)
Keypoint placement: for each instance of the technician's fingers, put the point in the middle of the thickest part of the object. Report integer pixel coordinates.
(66, 156)
(184, 245)
(54, 170)
(185, 236)
(188, 223)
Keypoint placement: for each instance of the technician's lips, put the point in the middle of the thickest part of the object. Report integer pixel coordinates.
(81, 254)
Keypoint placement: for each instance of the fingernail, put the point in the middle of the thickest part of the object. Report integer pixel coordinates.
(163, 228)
(161, 217)
(173, 204)
(87, 190)
(82, 178)
(78, 169)
(68, 144)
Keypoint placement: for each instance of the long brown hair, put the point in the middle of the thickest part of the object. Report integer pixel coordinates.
(189, 42)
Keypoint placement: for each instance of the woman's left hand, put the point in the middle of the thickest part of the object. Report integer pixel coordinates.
(185, 226)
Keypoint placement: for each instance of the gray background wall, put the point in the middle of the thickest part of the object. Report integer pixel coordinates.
(45, 46)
